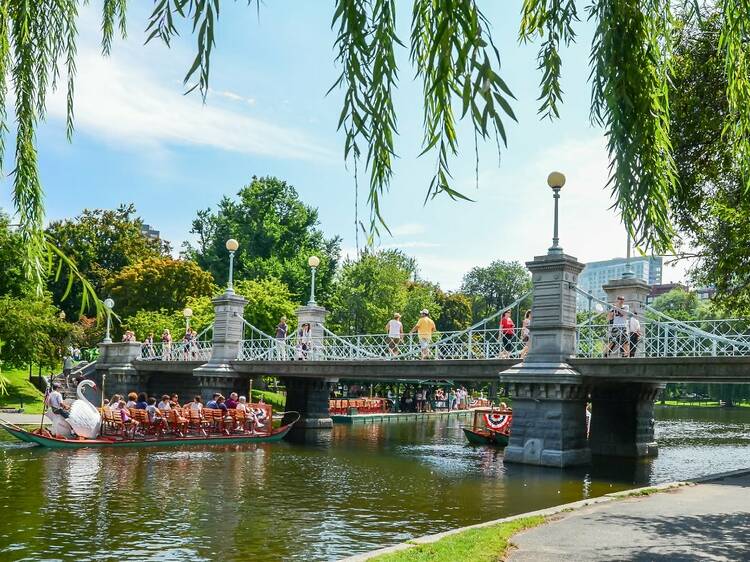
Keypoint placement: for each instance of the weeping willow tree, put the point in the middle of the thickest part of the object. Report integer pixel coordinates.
(454, 56)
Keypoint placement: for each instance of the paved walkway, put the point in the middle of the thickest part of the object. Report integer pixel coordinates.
(707, 521)
(24, 419)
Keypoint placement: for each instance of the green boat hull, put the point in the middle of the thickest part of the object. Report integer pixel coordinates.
(54, 443)
(486, 437)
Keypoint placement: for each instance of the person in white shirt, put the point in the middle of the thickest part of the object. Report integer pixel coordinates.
(618, 331)
(165, 403)
(58, 412)
(634, 327)
(395, 330)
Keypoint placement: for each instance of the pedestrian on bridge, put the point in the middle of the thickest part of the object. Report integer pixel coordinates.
(424, 327)
(507, 330)
(281, 331)
(395, 330)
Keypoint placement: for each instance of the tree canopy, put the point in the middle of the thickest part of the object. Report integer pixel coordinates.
(710, 207)
(156, 283)
(277, 233)
(452, 53)
(101, 242)
(495, 286)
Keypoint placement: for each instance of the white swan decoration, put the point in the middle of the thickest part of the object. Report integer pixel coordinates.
(60, 426)
(84, 417)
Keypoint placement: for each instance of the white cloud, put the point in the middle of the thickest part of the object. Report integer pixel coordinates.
(121, 100)
(408, 229)
(231, 96)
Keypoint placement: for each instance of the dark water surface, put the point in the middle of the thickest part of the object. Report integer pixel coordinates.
(354, 489)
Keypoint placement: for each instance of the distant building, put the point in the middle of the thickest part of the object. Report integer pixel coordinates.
(599, 273)
(705, 293)
(149, 232)
(663, 288)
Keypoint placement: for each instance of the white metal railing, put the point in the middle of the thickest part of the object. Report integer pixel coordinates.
(177, 351)
(476, 342)
(663, 336)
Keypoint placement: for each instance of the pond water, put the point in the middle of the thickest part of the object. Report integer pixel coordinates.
(352, 489)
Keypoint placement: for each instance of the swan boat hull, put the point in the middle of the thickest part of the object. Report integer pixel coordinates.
(58, 443)
(486, 437)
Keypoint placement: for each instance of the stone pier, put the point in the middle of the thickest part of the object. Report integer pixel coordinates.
(549, 396)
(308, 397)
(622, 422)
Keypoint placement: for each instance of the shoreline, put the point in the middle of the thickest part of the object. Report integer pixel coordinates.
(547, 513)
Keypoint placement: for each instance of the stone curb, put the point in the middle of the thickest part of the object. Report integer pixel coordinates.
(614, 496)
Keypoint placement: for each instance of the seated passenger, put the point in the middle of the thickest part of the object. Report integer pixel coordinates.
(232, 401)
(154, 415)
(114, 403)
(221, 404)
(211, 404)
(165, 403)
(197, 404)
(175, 400)
(142, 401)
(132, 399)
(242, 404)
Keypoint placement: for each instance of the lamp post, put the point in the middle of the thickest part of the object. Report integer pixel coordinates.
(109, 304)
(313, 262)
(232, 246)
(187, 313)
(556, 180)
(628, 274)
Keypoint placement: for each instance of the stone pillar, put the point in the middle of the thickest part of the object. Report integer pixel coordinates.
(549, 398)
(622, 419)
(316, 317)
(309, 397)
(218, 375)
(115, 361)
(549, 425)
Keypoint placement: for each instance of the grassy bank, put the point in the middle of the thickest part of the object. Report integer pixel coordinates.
(703, 404)
(483, 544)
(275, 399)
(21, 391)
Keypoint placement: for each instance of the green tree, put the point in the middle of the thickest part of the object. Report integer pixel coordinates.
(32, 331)
(369, 290)
(267, 301)
(101, 242)
(277, 233)
(420, 295)
(495, 286)
(145, 322)
(158, 283)
(13, 280)
(455, 311)
(452, 53)
(683, 305)
(710, 206)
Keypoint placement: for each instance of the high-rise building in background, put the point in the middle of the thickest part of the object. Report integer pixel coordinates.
(598, 273)
(149, 232)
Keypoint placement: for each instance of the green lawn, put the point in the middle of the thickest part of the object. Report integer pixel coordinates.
(705, 404)
(478, 545)
(275, 399)
(21, 391)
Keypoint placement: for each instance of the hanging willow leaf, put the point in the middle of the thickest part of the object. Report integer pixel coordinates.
(555, 19)
(455, 56)
(630, 57)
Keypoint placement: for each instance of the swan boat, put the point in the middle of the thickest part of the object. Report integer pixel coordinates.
(46, 439)
(490, 427)
(87, 422)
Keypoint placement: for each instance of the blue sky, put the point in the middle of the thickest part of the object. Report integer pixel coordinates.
(138, 139)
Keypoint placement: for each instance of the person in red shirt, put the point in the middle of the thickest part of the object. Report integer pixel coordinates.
(507, 331)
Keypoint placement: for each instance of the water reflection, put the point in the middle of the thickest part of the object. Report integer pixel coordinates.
(320, 496)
